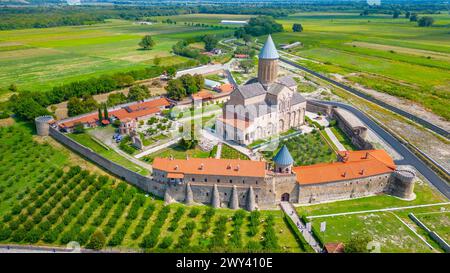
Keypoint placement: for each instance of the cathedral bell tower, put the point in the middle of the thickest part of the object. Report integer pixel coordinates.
(268, 63)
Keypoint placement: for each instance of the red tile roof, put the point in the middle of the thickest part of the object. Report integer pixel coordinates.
(203, 94)
(158, 103)
(124, 114)
(211, 166)
(374, 162)
(90, 119)
(334, 247)
(225, 88)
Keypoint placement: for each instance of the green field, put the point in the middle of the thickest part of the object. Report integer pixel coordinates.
(384, 227)
(37, 59)
(389, 55)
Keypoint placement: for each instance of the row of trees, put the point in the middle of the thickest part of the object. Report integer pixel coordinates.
(184, 86)
(28, 105)
(257, 26)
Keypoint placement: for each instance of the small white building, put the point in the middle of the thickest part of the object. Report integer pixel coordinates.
(233, 22)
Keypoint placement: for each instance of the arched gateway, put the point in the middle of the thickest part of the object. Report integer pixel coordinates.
(285, 197)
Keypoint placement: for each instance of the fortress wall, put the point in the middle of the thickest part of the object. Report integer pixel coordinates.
(203, 193)
(143, 182)
(344, 189)
(315, 107)
(356, 132)
(285, 184)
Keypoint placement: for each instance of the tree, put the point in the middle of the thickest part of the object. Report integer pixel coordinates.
(157, 60)
(171, 72)
(247, 65)
(210, 42)
(364, 13)
(247, 38)
(357, 243)
(12, 87)
(138, 92)
(105, 112)
(425, 21)
(175, 89)
(75, 107)
(396, 14)
(262, 25)
(100, 116)
(78, 128)
(147, 42)
(297, 28)
(97, 240)
(116, 98)
(414, 17)
(407, 14)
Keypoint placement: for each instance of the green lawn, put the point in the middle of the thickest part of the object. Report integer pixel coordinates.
(88, 141)
(178, 152)
(230, 153)
(384, 227)
(343, 138)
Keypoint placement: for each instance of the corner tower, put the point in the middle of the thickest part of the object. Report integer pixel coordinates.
(268, 63)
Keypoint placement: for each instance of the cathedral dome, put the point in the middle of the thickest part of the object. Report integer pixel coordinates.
(283, 157)
(269, 51)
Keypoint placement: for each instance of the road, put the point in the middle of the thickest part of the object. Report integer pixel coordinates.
(394, 109)
(409, 158)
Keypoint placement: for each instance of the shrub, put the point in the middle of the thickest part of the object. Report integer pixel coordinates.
(5, 233)
(97, 240)
(194, 212)
(33, 236)
(166, 242)
(50, 236)
(254, 223)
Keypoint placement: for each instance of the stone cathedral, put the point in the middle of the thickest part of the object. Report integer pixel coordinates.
(264, 107)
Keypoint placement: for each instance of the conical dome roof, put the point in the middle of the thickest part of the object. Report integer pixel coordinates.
(283, 157)
(269, 51)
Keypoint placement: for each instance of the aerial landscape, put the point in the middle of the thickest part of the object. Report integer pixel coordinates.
(224, 126)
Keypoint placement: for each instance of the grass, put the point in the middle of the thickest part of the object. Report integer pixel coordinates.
(87, 141)
(47, 57)
(178, 152)
(231, 153)
(384, 227)
(343, 138)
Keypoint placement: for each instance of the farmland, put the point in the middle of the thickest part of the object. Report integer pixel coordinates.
(52, 203)
(37, 59)
(378, 52)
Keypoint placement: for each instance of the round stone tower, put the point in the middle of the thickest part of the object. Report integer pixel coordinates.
(402, 184)
(43, 124)
(268, 63)
(283, 161)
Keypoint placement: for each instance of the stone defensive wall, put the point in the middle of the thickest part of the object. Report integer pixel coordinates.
(345, 189)
(316, 107)
(353, 128)
(143, 182)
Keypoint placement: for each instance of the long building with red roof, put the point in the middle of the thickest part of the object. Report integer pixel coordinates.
(136, 111)
(355, 174)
